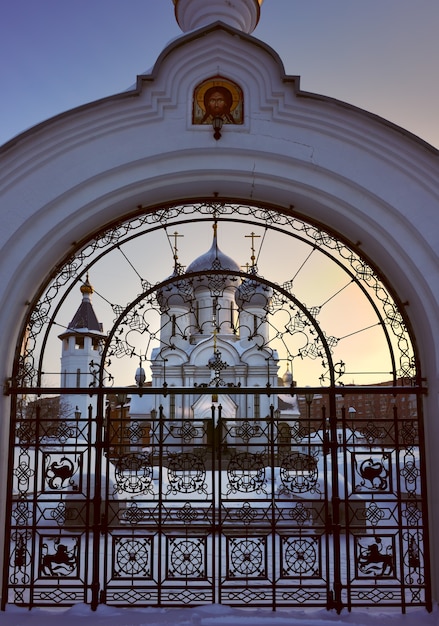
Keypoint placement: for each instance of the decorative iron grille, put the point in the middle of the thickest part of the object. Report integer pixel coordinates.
(245, 502)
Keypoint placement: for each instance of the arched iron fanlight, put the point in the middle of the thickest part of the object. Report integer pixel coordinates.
(387, 313)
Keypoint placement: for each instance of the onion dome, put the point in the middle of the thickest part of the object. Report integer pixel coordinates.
(241, 14)
(252, 293)
(178, 293)
(87, 287)
(214, 259)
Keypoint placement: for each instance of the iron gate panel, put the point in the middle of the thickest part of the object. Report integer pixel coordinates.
(215, 510)
(382, 517)
(52, 512)
(323, 511)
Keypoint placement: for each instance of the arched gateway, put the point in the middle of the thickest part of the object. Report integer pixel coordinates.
(246, 331)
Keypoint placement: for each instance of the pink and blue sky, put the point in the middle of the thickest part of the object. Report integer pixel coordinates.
(380, 55)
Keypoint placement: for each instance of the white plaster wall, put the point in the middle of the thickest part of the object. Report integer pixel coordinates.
(363, 177)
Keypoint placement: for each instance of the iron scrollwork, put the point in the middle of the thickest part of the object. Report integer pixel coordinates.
(301, 557)
(132, 557)
(186, 473)
(246, 473)
(247, 557)
(133, 474)
(299, 473)
(187, 558)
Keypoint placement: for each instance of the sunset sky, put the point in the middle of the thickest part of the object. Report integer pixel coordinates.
(380, 55)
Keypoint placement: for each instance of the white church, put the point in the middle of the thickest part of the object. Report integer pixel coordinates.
(201, 344)
(320, 494)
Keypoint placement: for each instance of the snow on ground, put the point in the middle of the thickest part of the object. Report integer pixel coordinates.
(214, 615)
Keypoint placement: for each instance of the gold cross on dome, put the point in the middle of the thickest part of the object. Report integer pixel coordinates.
(176, 235)
(253, 237)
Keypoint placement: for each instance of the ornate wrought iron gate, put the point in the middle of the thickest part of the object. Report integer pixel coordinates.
(325, 513)
(216, 493)
(240, 512)
(256, 512)
(218, 510)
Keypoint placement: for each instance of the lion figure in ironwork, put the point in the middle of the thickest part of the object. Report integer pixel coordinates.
(372, 561)
(62, 562)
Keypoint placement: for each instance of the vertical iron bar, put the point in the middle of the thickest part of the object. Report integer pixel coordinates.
(160, 539)
(107, 507)
(424, 504)
(328, 512)
(399, 547)
(97, 501)
(347, 531)
(37, 470)
(106, 412)
(7, 555)
(88, 488)
(216, 442)
(335, 501)
(271, 440)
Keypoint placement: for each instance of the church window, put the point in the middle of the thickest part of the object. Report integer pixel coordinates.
(257, 406)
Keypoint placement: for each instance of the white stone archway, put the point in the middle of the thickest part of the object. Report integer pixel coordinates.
(362, 177)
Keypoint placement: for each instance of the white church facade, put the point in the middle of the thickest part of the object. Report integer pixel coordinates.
(225, 482)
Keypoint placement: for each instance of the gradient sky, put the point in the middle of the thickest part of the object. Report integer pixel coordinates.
(380, 55)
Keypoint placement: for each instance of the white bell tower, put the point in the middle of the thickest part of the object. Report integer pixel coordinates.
(81, 353)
